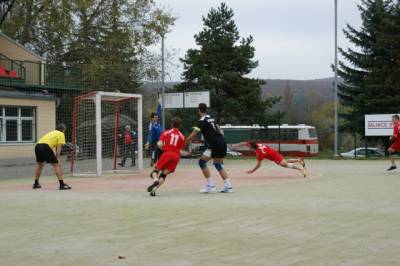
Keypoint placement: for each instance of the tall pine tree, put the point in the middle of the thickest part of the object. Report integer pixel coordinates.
(365, 68)
(220, 65)
(389, 40)
(117, 68)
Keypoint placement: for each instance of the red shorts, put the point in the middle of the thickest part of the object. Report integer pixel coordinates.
(275, 157)
(395, 146)
(168, 161)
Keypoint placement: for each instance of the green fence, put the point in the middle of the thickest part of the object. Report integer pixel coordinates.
(42, 75)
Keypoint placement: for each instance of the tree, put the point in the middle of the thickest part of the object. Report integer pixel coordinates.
(220, 65)
(389, 40)
(365, 88)
(110, 38)
(323, 121)
(117, 68)
(43, 26)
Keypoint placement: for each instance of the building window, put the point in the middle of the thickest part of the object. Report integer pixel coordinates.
(17, 124)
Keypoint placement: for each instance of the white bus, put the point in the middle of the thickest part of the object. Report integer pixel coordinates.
(291, 140)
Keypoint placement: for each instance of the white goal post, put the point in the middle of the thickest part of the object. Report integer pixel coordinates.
(101, 124)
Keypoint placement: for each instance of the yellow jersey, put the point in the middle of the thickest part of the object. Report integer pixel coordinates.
(53, 139)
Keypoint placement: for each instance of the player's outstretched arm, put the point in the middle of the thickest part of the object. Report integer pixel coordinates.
(258, 164)
(237, 145)
(190, 138)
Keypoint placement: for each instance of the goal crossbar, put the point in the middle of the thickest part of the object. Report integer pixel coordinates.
(99, 97)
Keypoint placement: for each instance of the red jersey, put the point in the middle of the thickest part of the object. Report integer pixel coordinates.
(266, 152)
(172, 140)
(128, 137)
(263, 152)
(396, 130)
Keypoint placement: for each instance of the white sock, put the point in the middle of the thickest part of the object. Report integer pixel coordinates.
(290, 165)
(210, 183)
(228, 183)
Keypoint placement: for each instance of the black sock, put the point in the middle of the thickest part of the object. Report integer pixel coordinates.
(36, 182)
(61, 182)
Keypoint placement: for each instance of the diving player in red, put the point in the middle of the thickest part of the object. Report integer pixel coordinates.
(171, 142)
(394, 141)
(266, 152)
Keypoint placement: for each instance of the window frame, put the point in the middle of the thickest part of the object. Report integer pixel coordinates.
(19, 118)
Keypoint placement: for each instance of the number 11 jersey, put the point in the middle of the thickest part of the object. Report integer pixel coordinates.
(173, 140)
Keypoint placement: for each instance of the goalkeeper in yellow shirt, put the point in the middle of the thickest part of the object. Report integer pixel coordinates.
(44, 153)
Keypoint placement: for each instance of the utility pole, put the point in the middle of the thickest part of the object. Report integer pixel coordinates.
(336, 154)
(163, 80)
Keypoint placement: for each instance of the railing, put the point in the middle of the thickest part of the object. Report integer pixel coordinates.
(39, 74)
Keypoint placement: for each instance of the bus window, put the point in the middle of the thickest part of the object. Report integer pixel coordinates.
(254, 134)
(273, 134)
(289, 134)
(312, 132)
(282, 134)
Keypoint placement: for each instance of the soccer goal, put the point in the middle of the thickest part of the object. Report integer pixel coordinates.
(100, 139)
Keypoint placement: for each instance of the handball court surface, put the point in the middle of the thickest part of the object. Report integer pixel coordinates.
(345, 213)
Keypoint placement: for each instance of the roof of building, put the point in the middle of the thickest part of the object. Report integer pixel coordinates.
(22, 46)
(8, 92)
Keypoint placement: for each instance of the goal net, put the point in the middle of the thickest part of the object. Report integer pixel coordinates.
(107, 133)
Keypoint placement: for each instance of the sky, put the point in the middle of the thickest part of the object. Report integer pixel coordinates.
(294, 39)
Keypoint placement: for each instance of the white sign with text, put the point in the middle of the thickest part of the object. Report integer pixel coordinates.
(173, 100)
(194, 98)
(378, 125)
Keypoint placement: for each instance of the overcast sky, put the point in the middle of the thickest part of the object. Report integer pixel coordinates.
(293, 38)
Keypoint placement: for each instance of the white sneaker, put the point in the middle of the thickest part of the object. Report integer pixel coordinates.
(207, 189)
(226, 190)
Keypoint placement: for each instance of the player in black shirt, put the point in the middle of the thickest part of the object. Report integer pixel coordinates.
(216, 149)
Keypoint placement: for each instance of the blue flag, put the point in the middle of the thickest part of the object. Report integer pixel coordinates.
(159, 114)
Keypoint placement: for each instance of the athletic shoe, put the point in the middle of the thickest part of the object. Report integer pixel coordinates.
(152, 186)
(36, 186)
(207, 189)
(391, 168)
(65, 187)
(303, 171)
(121, 164)
(226, 190)
(153, 193)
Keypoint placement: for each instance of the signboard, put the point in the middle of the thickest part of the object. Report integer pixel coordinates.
(173, 100)
(193, 98)
(378, 125)
(185, 100)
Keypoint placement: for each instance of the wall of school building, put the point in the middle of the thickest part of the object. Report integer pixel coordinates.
(45, 122)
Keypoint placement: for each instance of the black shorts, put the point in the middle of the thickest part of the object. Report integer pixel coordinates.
(45, 154)
(217, 148)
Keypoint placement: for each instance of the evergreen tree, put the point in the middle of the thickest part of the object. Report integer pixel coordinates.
(365, 90)
(117, 68)
(389, 40)
(220, 65)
